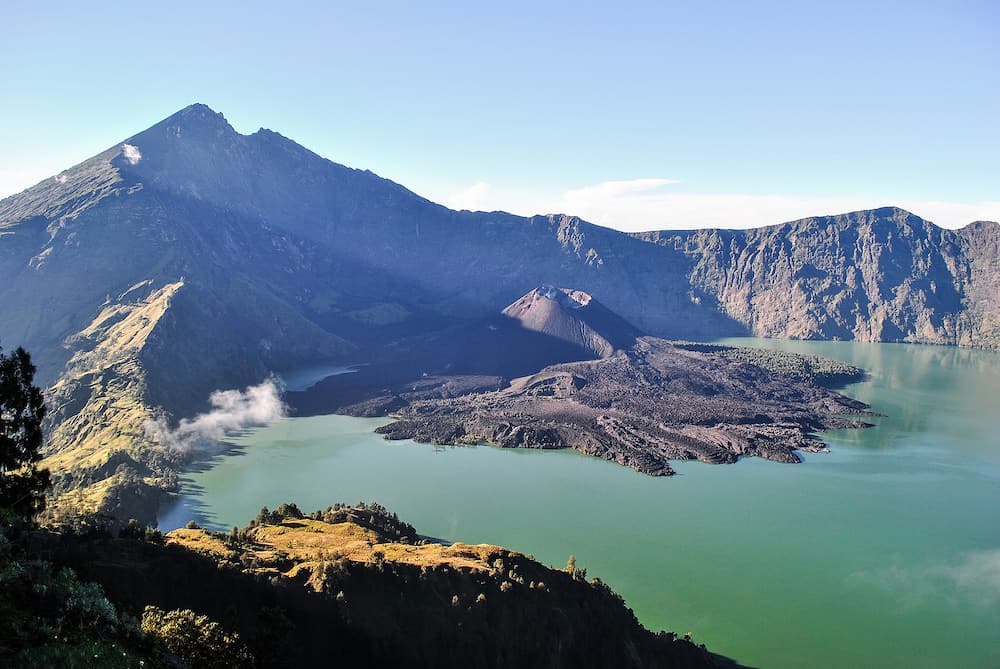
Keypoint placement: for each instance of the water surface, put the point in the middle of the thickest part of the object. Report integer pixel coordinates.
(883, 553)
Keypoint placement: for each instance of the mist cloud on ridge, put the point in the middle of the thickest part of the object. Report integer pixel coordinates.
(232, 410)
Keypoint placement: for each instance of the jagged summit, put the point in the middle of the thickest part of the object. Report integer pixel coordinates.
(887, 217)
(198, 113)
(981, 225)
(195, 118)
(567, 299)
(195, 130)
(575, 317)
(76, 188)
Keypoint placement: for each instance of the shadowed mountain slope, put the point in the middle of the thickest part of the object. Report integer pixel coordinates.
(546, 326)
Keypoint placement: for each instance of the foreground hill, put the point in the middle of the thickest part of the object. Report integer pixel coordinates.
(348, 586)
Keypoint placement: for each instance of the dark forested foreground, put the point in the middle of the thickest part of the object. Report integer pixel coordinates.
(349, 586)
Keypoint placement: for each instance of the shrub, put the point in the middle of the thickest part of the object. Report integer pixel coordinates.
(196, 639)
(22, 483)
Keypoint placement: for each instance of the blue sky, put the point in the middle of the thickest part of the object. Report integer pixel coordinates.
(633, 115)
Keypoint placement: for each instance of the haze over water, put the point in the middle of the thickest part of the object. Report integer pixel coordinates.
(883, 553)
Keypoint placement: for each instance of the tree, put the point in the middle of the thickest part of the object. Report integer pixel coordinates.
(22, 483)
(196, 639)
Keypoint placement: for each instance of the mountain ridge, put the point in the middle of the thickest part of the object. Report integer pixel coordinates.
(873, 275)
(200, 111)
(275, 257)
(402, 208)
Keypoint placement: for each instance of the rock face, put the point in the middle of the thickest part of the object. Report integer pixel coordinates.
(980, 321)
(881, 275)
(190, 258)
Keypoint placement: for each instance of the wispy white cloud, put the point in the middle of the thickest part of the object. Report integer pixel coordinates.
(972, 578)
(474, 198)
(644, 204)
(953, 214)
(231, 410)
(619, 204)
(659, 203)
(15, 179)
(131, 153)
(977, 572)
(613, 189)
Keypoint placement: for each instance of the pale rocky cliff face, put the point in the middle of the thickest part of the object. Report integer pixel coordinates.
(979, 323)
(880, 275)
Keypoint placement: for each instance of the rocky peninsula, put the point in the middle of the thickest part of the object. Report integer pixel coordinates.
(636, 400)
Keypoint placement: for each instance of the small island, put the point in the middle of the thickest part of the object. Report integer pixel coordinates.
(608, 391)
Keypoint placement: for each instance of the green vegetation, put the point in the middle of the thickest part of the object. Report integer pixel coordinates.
(346, 586)
(105, 468)
(196, 639)
(801, 367)
(371, 516)
(22, 482)
(292, 590)
(50, 617)
(430, 604)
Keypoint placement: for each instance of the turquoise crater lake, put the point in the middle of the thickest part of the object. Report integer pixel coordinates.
(883, 553)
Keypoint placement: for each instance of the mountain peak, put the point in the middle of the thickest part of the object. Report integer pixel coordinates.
(565, 297)
(198, 114)
(573, 316)
(196, 123)
(981, 225)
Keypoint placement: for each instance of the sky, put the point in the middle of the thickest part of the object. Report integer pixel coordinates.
(633, 115)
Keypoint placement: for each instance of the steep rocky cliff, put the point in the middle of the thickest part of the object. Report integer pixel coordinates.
(979, 324)
(879, 275)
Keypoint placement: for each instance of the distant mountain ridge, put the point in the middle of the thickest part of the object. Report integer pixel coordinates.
(879, 275)
(190, 257)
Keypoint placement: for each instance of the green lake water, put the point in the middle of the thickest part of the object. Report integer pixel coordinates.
(883, 553)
